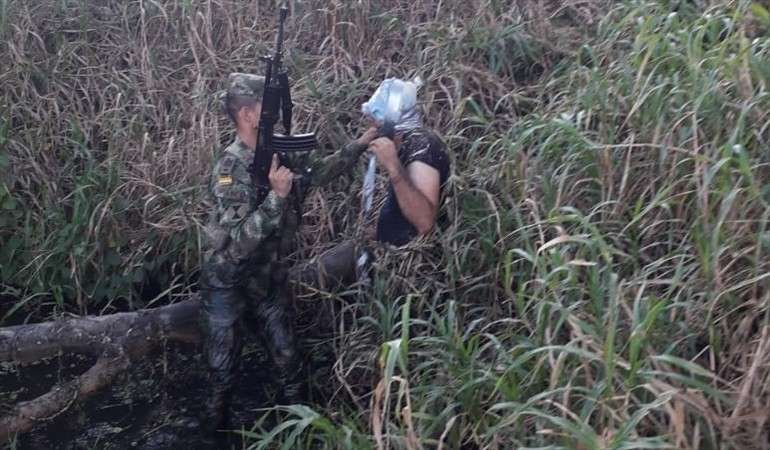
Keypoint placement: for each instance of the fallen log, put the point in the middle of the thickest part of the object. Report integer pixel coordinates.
(26, 415)
(92, 334)
(117, 338)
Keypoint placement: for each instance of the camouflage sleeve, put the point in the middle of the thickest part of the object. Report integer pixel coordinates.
(246, 228)
(324, 170)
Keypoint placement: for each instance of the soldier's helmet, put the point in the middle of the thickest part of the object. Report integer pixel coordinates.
(245, 84)
(241, 85)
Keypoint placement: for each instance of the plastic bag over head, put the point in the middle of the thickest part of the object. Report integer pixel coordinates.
(395, 100)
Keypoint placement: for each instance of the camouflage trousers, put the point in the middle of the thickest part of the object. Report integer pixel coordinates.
(226, 312)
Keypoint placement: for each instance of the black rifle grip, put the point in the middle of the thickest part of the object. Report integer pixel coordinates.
(388, 130)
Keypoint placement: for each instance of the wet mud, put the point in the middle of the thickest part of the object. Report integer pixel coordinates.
(157, 404)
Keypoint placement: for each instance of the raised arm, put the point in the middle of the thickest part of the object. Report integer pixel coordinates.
(324, 170)
(417, 186)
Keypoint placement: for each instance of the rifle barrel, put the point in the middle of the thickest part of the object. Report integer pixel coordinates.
(279, 39)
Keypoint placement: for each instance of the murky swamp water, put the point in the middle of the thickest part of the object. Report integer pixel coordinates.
(156, 404)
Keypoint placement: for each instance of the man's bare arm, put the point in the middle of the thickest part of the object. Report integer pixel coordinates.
(417, 193)
(417, 186)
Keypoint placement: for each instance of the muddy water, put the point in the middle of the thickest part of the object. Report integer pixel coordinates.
(158, 402)
(155, 405)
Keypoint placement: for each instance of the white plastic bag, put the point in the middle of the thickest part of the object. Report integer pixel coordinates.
(395, 100)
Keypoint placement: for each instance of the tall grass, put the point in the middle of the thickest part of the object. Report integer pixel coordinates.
(599, 281)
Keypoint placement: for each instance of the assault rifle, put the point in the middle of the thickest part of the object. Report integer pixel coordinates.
(276, 102)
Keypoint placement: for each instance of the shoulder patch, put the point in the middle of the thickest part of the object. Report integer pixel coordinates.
(226, 166)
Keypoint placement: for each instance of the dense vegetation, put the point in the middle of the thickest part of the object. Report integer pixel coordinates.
(601, 277)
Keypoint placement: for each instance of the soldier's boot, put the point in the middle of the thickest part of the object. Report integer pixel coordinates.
(223, 354)
(291, 394)
(289, 377)
(216, 409)
(291, 391)
(216, 414)
(284, 354)
(222, 347)
(290, 373)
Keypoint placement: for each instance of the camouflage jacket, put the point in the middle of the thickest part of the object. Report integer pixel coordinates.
(243, 238)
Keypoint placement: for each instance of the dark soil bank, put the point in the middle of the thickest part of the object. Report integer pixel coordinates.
(157, 404)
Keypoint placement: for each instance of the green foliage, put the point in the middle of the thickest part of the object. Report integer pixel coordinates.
(600, 280)
(591, 261)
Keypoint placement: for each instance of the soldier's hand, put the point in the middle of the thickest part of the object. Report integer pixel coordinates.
(368, 136)
(280, 178)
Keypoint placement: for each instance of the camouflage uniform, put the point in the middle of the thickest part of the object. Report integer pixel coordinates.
(241, 270)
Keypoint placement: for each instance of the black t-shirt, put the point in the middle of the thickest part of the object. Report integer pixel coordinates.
(417, 145)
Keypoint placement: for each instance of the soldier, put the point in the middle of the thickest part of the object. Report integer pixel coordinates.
(243, 238)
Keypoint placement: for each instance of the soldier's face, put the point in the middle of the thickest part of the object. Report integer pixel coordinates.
(250, 115)
(257, 114)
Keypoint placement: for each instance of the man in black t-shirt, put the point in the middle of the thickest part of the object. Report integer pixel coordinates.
(418, 167)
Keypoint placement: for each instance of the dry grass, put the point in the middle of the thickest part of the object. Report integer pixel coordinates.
(601, 279)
